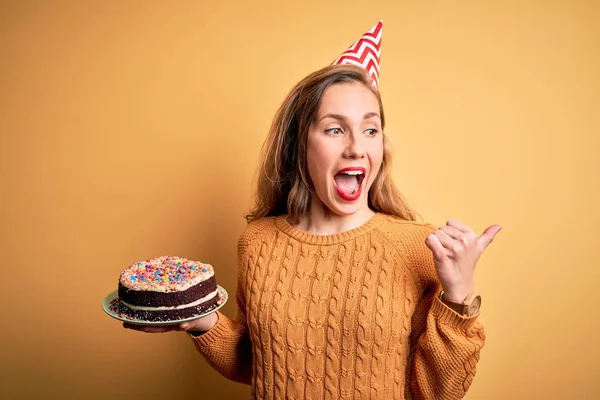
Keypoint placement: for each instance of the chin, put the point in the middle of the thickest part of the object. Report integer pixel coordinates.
(342, 208)
(332, 203)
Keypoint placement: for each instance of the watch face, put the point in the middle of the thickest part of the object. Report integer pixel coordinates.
(475, 305)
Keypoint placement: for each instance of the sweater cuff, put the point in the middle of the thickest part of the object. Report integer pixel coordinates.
(447, 316)
(214, 334)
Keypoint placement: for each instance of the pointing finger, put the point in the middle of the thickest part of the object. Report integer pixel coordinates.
(488, 236)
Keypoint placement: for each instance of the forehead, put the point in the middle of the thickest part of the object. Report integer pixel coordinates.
(350, 99)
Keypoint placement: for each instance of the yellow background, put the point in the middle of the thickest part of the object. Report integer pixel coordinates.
(131, 129)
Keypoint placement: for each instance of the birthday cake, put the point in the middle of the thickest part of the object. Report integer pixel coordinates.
(166, 288)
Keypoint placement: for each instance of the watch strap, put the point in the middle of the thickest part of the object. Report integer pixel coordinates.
(459, 308)
(469, 307)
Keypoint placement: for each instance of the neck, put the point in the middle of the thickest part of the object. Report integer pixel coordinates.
(321, 221)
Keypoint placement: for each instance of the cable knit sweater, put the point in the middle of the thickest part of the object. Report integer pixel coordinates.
(354, 315)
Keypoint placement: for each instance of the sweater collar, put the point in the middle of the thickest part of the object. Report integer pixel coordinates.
(309, 238)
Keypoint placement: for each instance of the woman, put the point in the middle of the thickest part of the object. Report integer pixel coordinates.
(341, 293)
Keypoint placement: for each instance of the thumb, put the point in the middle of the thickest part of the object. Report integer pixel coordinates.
(488, 236)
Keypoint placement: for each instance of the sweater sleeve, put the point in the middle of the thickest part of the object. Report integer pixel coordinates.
(226, 346)
(445, 346)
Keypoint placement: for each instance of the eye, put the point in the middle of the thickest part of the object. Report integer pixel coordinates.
(372, 132)
(334, 131)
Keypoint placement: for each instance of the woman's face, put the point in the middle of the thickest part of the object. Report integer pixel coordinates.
(345, 148)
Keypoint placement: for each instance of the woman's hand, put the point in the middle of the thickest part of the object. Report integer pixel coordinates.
(202, 324)
(456, 250)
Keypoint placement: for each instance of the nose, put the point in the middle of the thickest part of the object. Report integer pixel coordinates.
(354, 148)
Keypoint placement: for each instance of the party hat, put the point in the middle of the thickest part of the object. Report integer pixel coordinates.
(365, 52)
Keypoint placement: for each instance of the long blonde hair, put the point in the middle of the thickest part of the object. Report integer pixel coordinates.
(284, 185)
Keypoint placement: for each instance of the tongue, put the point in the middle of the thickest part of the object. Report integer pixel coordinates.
(348, 183)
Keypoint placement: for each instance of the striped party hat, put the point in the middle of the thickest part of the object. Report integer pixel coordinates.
(365, 52)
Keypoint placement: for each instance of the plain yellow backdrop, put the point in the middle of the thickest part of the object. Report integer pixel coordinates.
(132, 129)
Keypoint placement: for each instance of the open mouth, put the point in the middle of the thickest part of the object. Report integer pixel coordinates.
(348, 182)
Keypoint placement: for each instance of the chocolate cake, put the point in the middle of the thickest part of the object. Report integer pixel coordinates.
(167, 288)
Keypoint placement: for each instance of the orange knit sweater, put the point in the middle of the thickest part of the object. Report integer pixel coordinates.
(354, 315)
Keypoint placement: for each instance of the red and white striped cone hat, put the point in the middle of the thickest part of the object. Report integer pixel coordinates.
(365, 52)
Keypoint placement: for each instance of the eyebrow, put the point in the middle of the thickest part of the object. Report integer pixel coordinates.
(343, 118)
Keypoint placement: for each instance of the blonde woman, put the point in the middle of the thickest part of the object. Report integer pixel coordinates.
(341, 292)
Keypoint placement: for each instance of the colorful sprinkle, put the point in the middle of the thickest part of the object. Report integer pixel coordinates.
(164, 272)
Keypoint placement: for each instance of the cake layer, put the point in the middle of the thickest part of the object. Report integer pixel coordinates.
(170, 314)
(157, 299)
(180, 306)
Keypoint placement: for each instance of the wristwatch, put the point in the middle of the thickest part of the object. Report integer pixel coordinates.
(469, 307)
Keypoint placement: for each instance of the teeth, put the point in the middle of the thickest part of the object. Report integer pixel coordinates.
(353, 172)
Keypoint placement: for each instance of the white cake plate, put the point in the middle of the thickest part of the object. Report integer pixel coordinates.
(110, 306)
